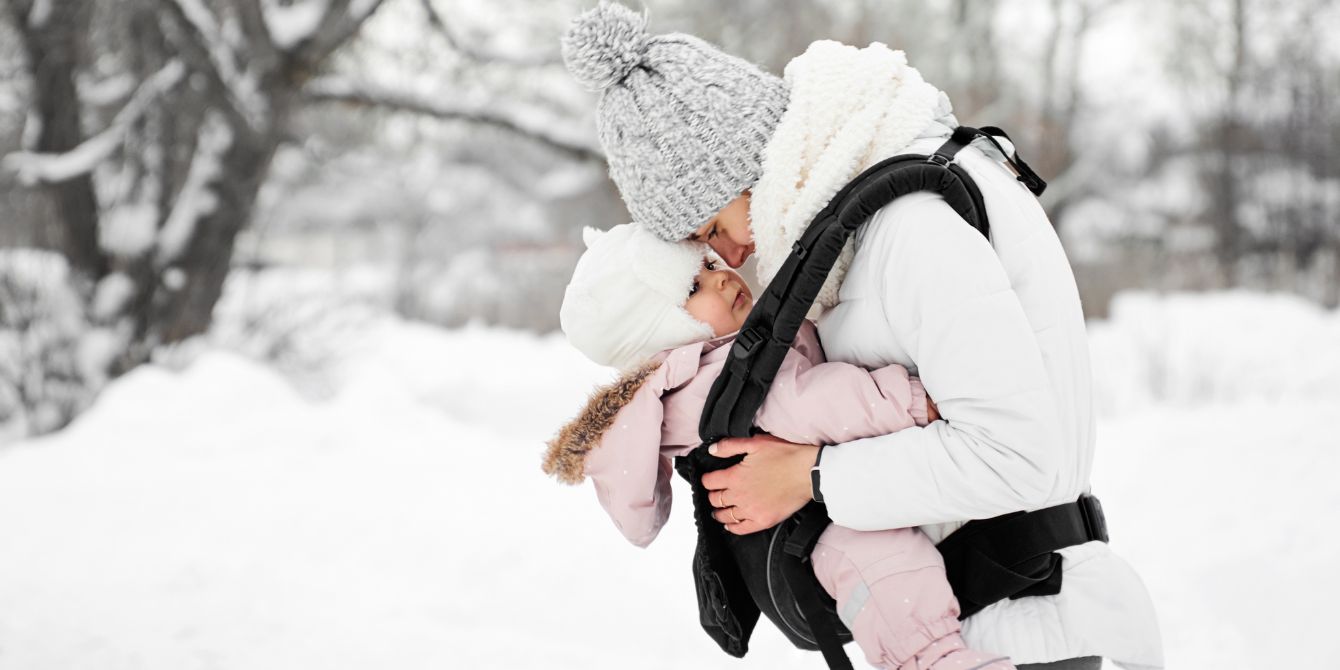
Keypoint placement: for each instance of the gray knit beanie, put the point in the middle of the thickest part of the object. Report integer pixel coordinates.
(682, 123)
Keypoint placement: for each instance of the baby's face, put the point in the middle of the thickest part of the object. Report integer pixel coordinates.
(720, 299)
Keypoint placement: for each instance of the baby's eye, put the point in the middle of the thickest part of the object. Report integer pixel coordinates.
(710, 265)
(694, 289)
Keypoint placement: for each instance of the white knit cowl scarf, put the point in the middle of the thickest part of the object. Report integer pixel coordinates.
(849, 108)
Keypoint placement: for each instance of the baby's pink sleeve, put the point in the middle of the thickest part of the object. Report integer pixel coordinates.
(631, 475)
(831, 403)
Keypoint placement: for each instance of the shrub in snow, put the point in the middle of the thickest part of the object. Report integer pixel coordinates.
(43, 380)
(301, 323)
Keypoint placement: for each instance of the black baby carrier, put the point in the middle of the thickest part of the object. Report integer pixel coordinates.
(769, 572)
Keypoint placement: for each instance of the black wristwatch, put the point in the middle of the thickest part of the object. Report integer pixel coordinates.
(814, 477)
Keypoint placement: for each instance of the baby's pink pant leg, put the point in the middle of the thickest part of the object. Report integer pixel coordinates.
(892, 593)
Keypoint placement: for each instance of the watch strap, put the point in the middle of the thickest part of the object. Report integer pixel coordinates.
(815, 493)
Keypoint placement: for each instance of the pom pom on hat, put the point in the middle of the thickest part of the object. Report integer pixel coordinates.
(604, 44)
(682, 123)
(626, 298)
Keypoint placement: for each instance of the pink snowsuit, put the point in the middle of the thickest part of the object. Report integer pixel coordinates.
(889, 585)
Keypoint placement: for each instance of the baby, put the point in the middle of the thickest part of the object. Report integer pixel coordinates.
(665, 315)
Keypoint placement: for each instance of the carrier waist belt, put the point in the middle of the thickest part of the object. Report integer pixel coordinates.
(1014, 555)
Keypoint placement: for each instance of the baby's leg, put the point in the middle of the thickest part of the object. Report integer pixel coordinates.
(892, 593)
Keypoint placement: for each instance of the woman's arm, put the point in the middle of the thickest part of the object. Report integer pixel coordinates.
(950, 305)
(948, 302)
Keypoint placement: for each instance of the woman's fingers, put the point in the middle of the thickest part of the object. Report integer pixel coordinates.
(719, 480)
(737, 446)
(746, 527)
(729, 516)
(732, 517)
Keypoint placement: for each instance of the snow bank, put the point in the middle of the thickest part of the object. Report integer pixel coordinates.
(215, 517)
(1198, 350)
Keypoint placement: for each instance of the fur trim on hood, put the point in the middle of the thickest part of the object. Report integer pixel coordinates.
(565, 459)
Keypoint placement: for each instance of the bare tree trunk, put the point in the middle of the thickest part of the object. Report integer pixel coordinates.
(187, 304)
(1054, 151)
(1224, 193)
(184, 159)
(192, 157)
(979, 56)
(53, 45)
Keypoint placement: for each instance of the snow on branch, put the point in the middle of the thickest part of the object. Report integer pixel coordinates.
(561, 134)
(107, 91)
(241, 87)
(197, 198)
(360, 10)
(39, 13)
(33, 167)
(290, 24)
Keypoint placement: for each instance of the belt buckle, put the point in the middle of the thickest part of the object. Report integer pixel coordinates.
(938, 159)
(1095, 523)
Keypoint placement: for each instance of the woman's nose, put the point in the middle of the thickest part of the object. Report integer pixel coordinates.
(744, 250)
(734, 254)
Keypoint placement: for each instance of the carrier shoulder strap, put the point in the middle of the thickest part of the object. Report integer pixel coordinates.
(771, 326)
(770, 329)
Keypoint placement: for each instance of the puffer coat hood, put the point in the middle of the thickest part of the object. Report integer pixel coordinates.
(565, 458)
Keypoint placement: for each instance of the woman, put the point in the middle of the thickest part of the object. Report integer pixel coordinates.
(704, 145)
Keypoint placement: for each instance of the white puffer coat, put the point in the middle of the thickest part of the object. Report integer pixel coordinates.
(996, 333)
(994, 329)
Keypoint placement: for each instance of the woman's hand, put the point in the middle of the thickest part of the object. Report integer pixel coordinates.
(769, 485)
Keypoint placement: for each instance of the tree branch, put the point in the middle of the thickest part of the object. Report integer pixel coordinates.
(203, 44)
(54, 168)
(196, 198)
(340, 22)
(522, 122)
(261, 42)
(435, 20)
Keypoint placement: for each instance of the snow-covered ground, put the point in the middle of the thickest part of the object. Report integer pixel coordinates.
(214, 517)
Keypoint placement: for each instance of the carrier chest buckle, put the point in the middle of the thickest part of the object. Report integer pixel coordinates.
(747, 343)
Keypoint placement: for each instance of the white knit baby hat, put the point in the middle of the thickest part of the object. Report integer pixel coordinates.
(626, 298)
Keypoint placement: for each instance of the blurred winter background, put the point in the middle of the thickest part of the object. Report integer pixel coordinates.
(279, 280)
